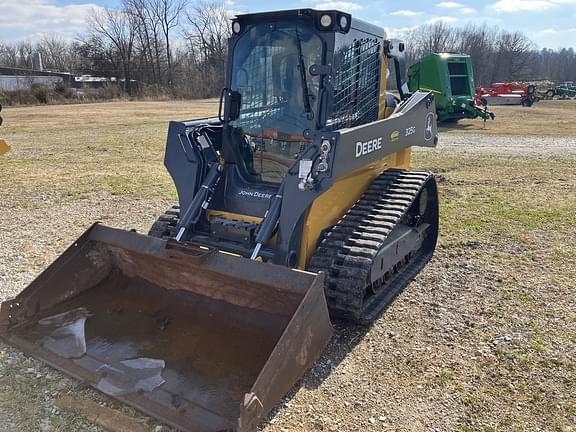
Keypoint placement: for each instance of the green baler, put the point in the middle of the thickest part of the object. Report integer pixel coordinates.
(449, 77)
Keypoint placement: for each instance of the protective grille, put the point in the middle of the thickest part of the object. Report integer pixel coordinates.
(356, 85)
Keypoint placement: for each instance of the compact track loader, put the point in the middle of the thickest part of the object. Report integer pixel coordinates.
(296, 204)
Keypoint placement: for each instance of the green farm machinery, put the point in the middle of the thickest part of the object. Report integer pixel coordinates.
(449, 76)
(565, 90)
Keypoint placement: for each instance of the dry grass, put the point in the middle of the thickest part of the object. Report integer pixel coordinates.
(482, 340)
(550, 118)
(69, 151)
(103, 115)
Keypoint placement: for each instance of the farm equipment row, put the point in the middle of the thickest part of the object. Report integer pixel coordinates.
(450, 78)
(506, 94)
(565, 90)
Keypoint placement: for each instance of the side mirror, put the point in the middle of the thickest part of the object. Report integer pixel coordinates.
(232, 100)
(396, 50)
(234, 103)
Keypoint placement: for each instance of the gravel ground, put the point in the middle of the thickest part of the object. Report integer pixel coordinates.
(526, 146)
(482, 340)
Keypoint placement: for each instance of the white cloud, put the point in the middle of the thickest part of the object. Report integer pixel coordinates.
(339, 5)
(405, 13)
(449, 5)
(554, 38)
(21, 18)
(551, 31)
(455, 5)
(529, 5)
(447, 19)
(401, 32)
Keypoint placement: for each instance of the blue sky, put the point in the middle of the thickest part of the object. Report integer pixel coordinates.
(549, 23)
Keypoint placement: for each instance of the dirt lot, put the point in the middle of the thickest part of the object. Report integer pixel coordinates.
(483, 340)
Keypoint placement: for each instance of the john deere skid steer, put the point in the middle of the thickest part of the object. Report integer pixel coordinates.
(296, 204)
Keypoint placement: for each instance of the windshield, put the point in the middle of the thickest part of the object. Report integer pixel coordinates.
(271, 71)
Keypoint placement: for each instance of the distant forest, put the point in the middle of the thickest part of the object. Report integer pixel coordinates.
(176, 49)
(497, 55)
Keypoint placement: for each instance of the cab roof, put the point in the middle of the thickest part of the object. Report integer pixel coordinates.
(313, 15)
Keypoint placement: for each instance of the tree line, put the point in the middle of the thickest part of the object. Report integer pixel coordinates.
(497, 55)
(156, 47)
(176, 48)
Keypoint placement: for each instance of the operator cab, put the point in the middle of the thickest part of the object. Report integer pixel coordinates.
(271, 76)
(290, 75)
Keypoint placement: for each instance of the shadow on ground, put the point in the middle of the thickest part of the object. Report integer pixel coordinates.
(345, 338)
(462, 127)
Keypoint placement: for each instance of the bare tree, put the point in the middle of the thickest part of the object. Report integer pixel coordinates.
(514, 53)
(436, 37)
(8, 55)
(209, 29)
(165, 47)
(118, 28)
(497, 55)
(149, 35)
(25, 51)
(98, 56)
(55, 52)
(167, 13)
(478, 42)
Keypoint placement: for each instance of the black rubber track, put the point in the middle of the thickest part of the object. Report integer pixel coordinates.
(165, 225)
(346, 253)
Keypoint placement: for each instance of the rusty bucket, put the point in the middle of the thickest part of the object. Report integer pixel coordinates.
(202, 340)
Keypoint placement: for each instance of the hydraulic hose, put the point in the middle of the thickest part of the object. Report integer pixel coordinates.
(268, 224)
(200, 201)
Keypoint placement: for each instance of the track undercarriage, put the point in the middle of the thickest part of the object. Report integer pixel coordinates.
(375, 250)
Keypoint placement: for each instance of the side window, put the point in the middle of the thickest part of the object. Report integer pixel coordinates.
(356, 84)
(271, 72)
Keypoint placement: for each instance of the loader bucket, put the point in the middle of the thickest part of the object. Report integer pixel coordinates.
(203, 340)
